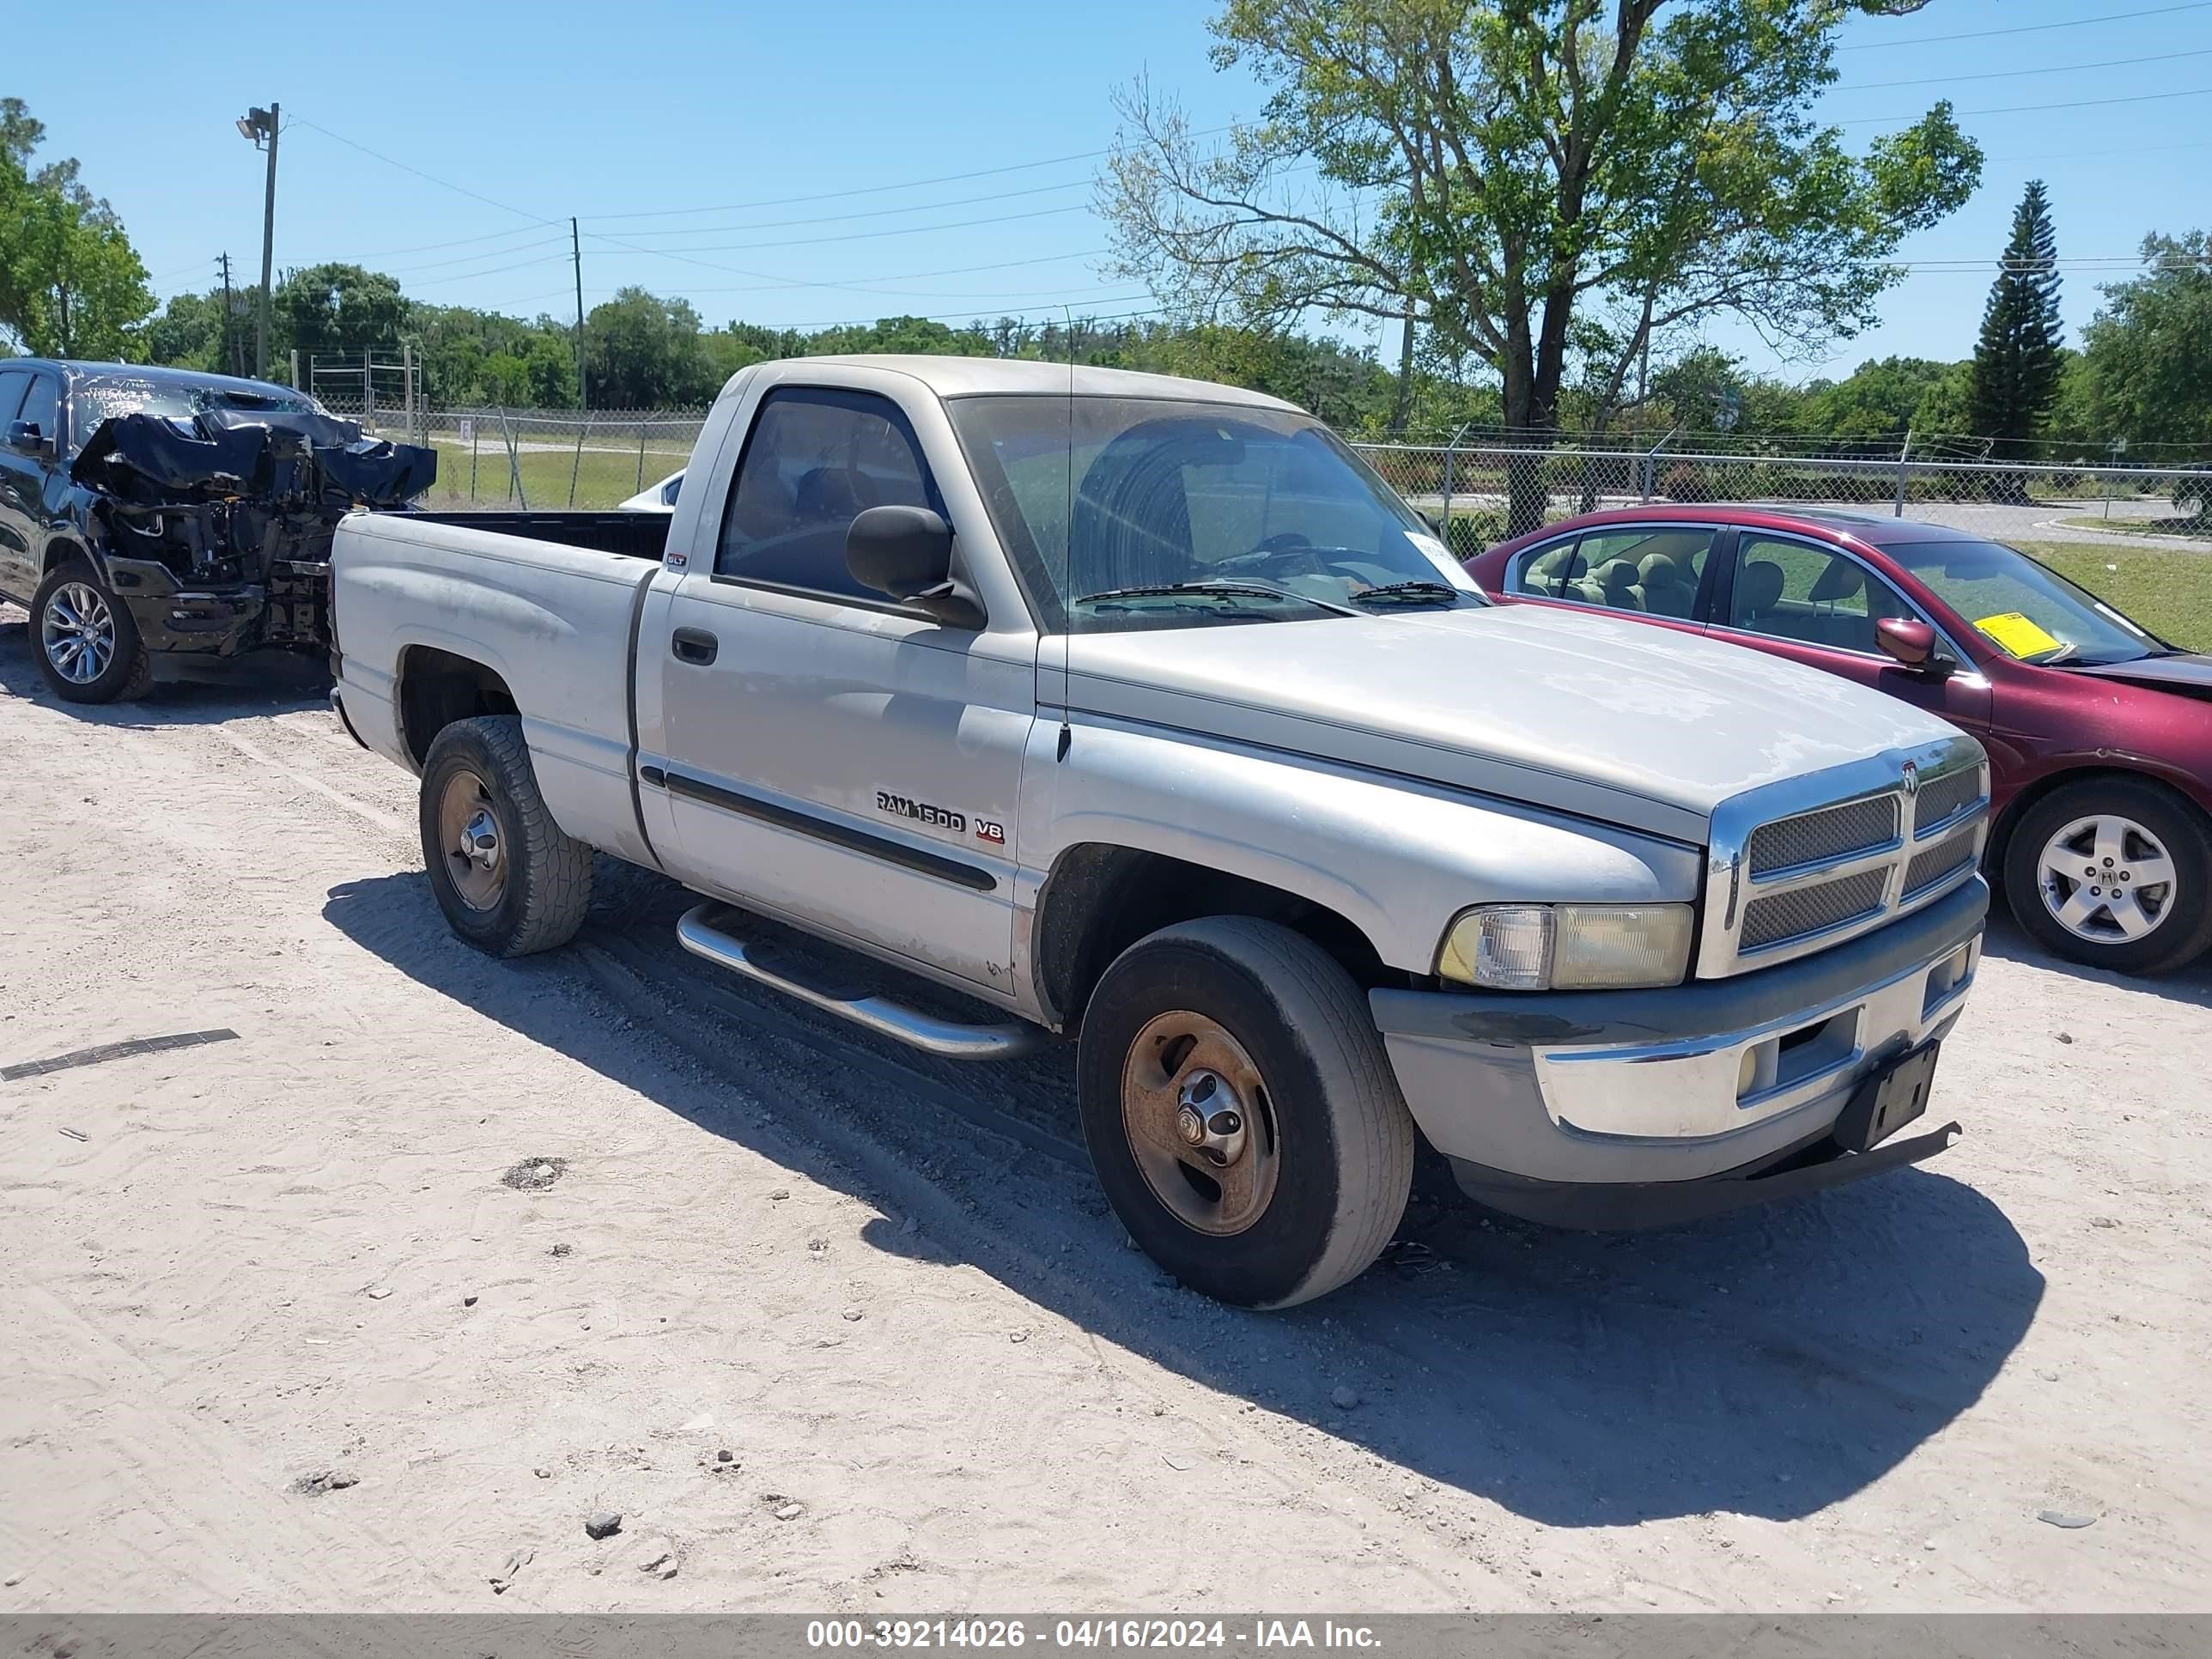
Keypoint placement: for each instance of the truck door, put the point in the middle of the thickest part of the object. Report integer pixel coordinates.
(22, 488)
(830, 755)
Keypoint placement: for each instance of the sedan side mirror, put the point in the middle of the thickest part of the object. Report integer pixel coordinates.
(907, 552)
(1912, 642)
(25, 437)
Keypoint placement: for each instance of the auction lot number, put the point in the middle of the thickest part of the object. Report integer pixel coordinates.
(1013, 1633)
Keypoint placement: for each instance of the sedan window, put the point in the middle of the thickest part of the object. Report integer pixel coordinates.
(1793, 589)
(1654, 570)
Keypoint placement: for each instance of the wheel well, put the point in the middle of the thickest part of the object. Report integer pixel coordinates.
(2023, 803)
(59, 551)
(437, 688)
(1100, 900)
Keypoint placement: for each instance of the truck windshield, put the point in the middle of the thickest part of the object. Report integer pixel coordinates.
(1129, 513)
(2026, 609)
(104, 397)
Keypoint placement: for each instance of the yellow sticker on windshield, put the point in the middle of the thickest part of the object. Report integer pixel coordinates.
(2016, 634)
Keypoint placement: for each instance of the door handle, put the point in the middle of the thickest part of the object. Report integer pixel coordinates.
(694, 645)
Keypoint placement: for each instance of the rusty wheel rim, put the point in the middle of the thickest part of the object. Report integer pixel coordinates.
(472, 840)
(1195, 1111)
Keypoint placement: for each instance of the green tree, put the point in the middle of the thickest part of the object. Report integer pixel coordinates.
(1877, 403)
(1532, 177)
(70, 283)
(336, 310)
(2147, 351)
(644, 352)
(2016, 361)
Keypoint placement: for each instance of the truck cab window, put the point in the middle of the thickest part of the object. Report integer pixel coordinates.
(42, 407)
(815, 460)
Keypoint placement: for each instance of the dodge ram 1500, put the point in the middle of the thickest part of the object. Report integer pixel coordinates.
(1141, 711)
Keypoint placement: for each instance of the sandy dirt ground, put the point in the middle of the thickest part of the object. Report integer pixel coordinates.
(276, 1334)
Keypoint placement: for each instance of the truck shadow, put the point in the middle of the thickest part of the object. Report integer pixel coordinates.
(1769, 1363)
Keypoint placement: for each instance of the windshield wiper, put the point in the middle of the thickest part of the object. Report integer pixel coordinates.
(1238, 590)
(1409, 592)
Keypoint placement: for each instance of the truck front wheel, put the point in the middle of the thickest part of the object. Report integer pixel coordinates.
(1241, 1112)
(509, 882)
(88, 646)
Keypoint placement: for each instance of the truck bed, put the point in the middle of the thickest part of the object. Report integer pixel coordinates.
(627, 535)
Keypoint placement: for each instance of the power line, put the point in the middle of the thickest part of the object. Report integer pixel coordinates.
(2091, 155)
(2052, 69)
(852, 236)
(442, 184)
(2024, 28)
(458, 242)
(496, 271)
(877, 189)
(873, 213)
(2023, 109)
(469, 258)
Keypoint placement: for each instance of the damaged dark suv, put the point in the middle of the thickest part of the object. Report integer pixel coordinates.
(146, 510)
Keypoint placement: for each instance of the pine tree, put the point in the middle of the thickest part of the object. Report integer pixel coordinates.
(2016, 361)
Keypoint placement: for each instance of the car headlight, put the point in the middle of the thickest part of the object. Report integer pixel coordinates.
(1567, 947)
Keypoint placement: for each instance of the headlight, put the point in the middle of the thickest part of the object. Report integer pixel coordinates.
(1567, 947)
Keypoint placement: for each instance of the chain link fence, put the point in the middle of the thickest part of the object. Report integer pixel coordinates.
(1479, 495)
(1476, 493)
(537, 457)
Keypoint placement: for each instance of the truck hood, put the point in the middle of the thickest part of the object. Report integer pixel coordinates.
(1644, 727)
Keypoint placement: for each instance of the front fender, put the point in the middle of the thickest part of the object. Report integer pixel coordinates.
(1395, 857)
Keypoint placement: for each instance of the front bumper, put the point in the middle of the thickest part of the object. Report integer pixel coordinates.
(291, 609)
(1624, 1109)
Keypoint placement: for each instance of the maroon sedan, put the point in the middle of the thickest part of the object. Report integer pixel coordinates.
(2100, 733)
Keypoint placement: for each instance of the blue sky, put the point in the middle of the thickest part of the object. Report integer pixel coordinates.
(675, 127)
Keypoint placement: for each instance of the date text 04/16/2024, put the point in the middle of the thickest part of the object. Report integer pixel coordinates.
(1085, 1634)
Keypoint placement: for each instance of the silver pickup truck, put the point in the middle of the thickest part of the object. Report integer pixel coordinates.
(1140, 711)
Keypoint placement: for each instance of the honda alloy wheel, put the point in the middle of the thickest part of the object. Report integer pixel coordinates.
(2114, 871)
(2107, 879)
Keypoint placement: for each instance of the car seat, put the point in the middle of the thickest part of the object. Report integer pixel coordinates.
(1847, 630)
(1666, 591)
(1758, 590)
(1617, 586)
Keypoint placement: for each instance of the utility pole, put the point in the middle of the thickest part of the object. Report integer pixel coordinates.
(259, 125)
(576, 255)
(226, 357)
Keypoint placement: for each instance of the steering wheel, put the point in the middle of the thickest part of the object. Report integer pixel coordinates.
(1285, 553)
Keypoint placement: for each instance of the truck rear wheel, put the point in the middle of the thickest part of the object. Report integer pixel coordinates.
(1241, 1112)
(509, 882)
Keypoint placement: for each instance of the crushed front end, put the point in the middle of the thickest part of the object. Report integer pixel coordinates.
(216, 532)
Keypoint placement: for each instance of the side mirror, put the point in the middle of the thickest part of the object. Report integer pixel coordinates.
(25, 437)
(907, 552)
(1912, 642)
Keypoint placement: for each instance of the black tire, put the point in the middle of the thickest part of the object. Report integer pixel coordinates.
(543, 878)
(129, 671)
(2182, 930)
(1335, 1124)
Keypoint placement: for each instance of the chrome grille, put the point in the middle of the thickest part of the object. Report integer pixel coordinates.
(1833, 832)
(1943, 859)
(1811, 909)
(1945, 796)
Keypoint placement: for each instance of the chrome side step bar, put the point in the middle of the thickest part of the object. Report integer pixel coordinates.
(947, 1039)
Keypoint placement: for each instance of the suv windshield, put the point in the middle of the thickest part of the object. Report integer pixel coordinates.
(1189, 513)
(2025, 609)
(104, 397)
